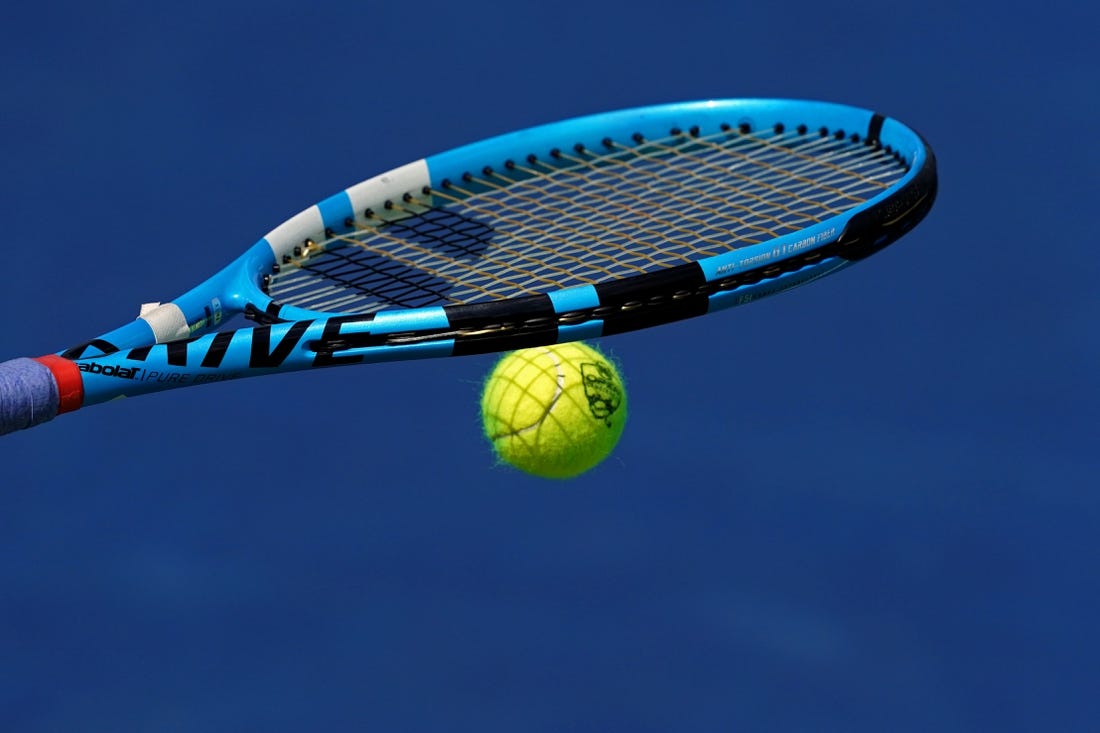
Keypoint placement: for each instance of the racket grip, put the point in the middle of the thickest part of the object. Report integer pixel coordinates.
(30, 393)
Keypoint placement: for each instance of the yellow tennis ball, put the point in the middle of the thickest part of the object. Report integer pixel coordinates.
(554, 411)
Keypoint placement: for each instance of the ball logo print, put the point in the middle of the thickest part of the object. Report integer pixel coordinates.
(602, 390)
(568, 231)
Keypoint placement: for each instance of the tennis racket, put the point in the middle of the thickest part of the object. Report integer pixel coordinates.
(574, 230)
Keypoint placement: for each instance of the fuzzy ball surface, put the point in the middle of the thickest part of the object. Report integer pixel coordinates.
(554, 411)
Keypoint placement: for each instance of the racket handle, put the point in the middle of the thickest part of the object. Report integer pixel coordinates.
(34, 391)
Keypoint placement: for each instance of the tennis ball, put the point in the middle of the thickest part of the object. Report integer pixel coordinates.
(554, 411)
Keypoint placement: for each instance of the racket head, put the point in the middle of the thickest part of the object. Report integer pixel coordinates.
(577, 229)
(688, 207)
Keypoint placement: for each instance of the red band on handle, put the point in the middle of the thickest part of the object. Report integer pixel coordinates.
(70, 385)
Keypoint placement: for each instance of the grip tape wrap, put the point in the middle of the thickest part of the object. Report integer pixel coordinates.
(34, 391)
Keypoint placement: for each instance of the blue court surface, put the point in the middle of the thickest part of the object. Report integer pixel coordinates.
(866, 505)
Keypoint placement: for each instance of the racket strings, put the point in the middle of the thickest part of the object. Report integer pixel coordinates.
(818, 182)
(584, 216)
(399, 252)
(548, 243)
(806, 193)
(573, 215)
(640, 204)
(764, 201)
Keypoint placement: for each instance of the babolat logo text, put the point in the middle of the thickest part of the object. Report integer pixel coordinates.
(109, 371)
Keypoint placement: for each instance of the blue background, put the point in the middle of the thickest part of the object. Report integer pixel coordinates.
(870, 504)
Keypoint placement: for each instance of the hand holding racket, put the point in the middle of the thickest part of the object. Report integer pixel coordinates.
(568, 231)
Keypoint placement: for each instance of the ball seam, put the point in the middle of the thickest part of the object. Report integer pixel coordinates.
(559, 390)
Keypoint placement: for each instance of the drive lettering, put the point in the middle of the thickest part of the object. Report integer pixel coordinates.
(331, 335)
(263, 356)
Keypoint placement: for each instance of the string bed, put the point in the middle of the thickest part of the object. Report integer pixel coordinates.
(583, 216)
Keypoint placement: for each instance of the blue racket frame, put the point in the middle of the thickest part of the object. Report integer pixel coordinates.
(177, 344)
